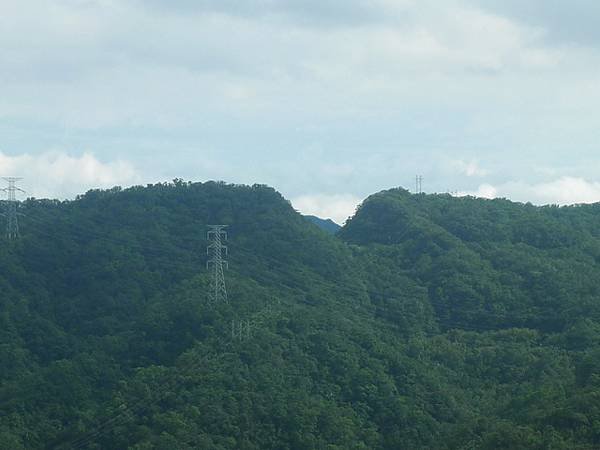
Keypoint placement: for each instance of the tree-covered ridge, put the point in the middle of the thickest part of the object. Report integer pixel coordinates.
(104, 289)
(477, 220)
(491, 262)
(415, 330)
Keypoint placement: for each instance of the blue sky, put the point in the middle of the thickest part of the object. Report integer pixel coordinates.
(327, 101)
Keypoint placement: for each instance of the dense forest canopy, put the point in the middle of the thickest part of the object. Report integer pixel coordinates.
(427, 322)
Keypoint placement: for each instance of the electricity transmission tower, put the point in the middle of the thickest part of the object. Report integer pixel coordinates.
(241, 330)
(12, 223)
(419, 184)
(216, 235)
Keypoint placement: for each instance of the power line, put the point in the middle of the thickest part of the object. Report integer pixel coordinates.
(291, 276)
(296, 285)
(126, 412)
(216, 235)
(12, 223)
(241, 330)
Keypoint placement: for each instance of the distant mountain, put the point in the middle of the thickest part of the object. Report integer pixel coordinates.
(326, 224)
(426, 322)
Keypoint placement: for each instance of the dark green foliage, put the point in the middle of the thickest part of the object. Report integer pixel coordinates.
(430, 323)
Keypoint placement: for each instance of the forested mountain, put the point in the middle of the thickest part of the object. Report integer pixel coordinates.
(326, 224)
(428, 322)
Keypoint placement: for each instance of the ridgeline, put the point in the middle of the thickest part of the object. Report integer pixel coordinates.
(426, 322)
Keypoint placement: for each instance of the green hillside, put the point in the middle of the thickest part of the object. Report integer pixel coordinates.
(428, 322)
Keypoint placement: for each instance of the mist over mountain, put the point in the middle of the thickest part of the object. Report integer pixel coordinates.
(426, 322)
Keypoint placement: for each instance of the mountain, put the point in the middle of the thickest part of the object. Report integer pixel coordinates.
(489, 262)
(325, 224)
(427, 322)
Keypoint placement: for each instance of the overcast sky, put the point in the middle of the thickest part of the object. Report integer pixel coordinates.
(326, 100)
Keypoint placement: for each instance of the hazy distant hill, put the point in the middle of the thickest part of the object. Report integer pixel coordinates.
(430, 322)
(326, 224)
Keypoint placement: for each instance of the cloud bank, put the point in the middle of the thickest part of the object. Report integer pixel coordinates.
(562, 191)
(335, 207)
(59, 175)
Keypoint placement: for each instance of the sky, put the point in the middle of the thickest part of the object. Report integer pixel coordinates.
(327, 101)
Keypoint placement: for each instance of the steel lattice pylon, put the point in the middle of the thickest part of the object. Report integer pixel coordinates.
(12, 222)
(216, 235)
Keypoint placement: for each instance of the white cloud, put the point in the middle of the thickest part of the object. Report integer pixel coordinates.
(470, 168)
(59, 175)
(565, 191)
(561, 191)
(337, 207)
(483, 191)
